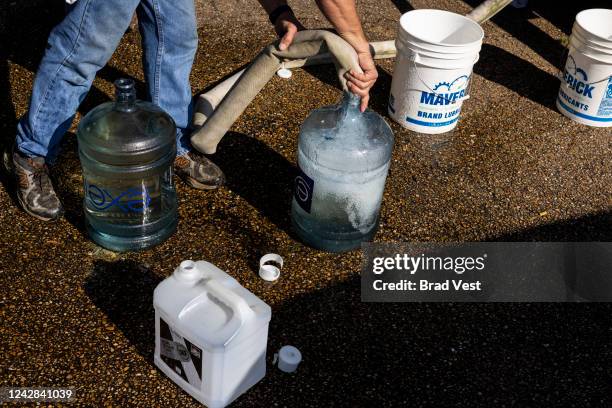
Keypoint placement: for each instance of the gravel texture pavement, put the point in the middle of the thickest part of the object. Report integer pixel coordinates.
(73, 314)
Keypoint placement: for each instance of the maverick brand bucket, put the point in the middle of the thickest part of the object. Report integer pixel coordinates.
(436, 51)
(585, 94)
(210, 333)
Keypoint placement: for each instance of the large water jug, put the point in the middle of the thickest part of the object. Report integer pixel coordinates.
(343, 159)
(127, 149)
(210, 333)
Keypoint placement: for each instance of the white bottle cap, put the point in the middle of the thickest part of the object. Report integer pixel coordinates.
(289, 358)
(284, 73)
(187, 272)
(269, 272)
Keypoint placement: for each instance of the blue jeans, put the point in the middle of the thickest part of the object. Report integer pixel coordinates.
(84, 42)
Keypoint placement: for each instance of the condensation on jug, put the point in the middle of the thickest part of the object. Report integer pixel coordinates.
(343, 157)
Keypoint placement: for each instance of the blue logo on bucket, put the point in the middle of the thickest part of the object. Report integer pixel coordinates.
(578, 79)
(438, 104)
(605, 108)
(446, 93)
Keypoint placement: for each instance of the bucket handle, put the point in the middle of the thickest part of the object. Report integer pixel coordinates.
(416, 58)
(563, 62)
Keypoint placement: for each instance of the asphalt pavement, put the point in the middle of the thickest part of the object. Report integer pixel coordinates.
(515, 169)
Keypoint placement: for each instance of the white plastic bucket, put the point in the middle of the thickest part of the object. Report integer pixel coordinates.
(436, 51)
(597, 23)
(585, 94)
(580, 45)
(595, 52)
(583, 37)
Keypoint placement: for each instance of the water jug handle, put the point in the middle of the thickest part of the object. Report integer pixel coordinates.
(230, 298)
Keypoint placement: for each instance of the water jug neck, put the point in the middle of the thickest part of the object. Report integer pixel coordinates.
(351, 100)
(125, 94)
(350, 106)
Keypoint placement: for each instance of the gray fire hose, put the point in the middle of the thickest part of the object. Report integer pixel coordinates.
(209, 100)
(487, 9)
(306, 44)
(217, 110)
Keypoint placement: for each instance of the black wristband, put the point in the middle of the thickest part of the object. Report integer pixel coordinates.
(275, 14)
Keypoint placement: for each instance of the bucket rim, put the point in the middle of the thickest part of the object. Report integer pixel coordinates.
(412, 13)
(597, 58)
(469, 62)
(442, 55)
(592, 52)
(578, 34)
(584, 13)
(410, 40)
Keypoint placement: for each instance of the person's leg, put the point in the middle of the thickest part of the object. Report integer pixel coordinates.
(170, 40)
(77, 48)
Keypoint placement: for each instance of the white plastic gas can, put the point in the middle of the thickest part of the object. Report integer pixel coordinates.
(210, 333)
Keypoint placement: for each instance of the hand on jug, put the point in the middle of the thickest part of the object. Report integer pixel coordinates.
(360, 84)
(343, 16)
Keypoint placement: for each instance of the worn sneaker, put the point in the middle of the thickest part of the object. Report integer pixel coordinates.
(198, 172)
(34, 189)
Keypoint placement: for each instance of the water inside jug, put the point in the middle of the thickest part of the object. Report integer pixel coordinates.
(343, 159)
(127, 148)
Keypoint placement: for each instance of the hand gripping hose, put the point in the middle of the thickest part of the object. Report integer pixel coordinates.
(217, 109)
(306, 45)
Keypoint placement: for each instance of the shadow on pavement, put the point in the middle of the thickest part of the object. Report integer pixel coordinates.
(421, 354)
(379, 95)
(68, 182)
(402, 5)
(123, 290)
(516, 22)
(390, 354)
(562, 17)
(593, 227)
(517, 74)
(258, 174)
(8, 124)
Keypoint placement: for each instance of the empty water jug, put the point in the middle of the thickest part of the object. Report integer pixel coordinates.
(343, 159)
(211, 333)
(127, 149)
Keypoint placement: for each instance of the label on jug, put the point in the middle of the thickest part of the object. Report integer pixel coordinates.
(135, 199)
(182, 356)
(303, 190)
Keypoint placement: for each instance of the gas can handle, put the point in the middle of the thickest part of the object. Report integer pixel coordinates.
(230, 298)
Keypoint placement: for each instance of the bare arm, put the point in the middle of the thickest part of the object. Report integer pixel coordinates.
(343, 16)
